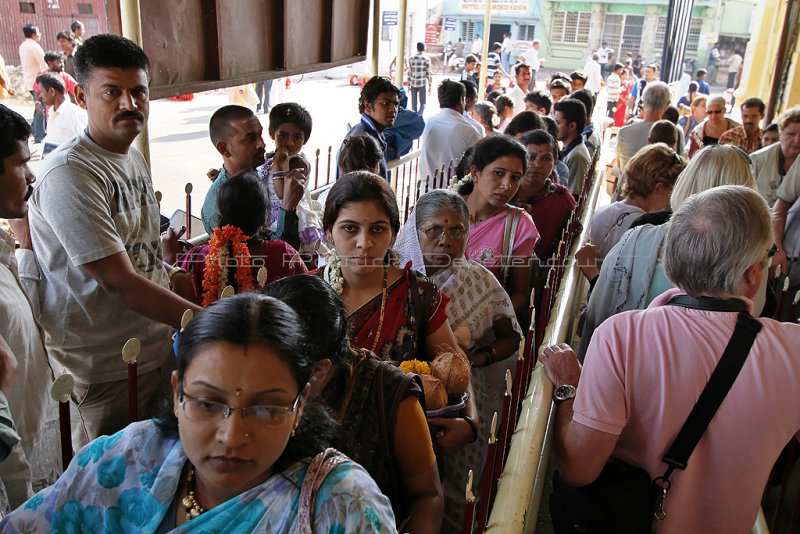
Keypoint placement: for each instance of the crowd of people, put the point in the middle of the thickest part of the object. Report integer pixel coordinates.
(339, 306)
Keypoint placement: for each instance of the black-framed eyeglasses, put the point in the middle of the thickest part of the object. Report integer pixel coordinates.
(772, 251)
(207, 411)
(435, 233)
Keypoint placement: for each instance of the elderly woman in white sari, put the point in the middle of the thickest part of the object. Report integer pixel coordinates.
(480, 313)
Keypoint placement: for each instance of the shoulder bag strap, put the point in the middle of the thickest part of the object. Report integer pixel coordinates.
(321, 465)
(723, 377)
(509, 236)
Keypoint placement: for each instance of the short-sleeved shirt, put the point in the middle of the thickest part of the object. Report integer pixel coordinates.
(643, 373)
(789, 190)
(492, 64)
(419, 71)
(90, 204)
(610, 222)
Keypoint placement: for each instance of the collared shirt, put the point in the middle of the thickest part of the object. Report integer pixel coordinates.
(517, 95)
(34, 412)
(531, 57)
(65, 123)
(576, 156)
(446, 137)
(738, 136)
(31, 58)
(642, 375)
(419, 71)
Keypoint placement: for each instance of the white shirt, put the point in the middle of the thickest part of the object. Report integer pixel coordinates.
(37, 458)
(65, 123)
(31, 58)
(446, 137)
(734, 63)
(531, 57)
(595, 75)
(477, 46)
(517, 95)
(506, 45)
(604, 53)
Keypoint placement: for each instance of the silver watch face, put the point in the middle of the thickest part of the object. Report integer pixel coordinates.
(564, 392)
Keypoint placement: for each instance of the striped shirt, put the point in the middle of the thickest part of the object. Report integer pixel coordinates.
(492, 62)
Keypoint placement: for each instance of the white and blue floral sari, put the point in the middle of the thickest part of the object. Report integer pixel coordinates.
(126, 483)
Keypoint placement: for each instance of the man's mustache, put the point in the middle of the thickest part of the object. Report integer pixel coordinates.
(29, 192)
(129, 115)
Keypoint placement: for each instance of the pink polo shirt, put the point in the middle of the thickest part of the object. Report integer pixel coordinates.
(643, 373)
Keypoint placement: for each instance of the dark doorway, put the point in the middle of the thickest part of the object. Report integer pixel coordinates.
(496, 35)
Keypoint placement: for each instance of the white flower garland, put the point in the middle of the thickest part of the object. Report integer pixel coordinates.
(463, 181)
(333, 273)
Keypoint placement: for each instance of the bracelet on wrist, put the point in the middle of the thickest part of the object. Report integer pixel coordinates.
(474, 428)
(491, 355)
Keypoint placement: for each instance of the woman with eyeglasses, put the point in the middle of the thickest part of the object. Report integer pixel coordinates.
(632, 275)
(501, 237)
(239, 451)
(392, 310)
(434, 240)
(710, 130)
(548, 202)
(379, 407)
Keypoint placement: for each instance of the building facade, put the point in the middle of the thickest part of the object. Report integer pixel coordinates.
(52, 16)
(521, 18)
(572, 30)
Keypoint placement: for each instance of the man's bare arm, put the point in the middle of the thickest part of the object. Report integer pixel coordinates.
(116, 276)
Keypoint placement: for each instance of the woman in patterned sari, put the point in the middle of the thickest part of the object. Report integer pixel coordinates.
(501, 237)
(479, 311)
(394, 312)
(205, 468)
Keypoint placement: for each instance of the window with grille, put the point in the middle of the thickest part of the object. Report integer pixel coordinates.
(85, 9)
(693, 39)
(632, 34)
(27, 7)
(570, 27)
(661, 34)
(526, 32)
(612, 31)
(467, 31)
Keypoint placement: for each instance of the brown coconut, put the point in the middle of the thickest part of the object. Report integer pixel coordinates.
(435, 392)
(453, 370)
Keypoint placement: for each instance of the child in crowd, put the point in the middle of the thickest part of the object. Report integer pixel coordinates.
(285, 170)
(505, 110)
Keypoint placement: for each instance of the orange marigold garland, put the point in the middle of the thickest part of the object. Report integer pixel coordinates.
(215, 273)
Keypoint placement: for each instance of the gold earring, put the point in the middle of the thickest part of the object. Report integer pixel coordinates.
(246, 435)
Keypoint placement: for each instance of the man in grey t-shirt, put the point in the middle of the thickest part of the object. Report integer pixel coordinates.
(94, 225)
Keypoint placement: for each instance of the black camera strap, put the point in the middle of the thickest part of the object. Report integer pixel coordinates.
(721, 381)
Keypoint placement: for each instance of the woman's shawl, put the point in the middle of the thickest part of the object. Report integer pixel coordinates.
(476, 297)
(126, 483)
(625, 277)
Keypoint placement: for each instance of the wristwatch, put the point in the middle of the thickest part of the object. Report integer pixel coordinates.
(564, 392)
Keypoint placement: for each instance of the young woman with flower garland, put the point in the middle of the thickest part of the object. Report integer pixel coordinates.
(237, 243)
(501, 237)
(396, 313)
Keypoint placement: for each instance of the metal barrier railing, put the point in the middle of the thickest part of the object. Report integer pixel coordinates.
(521, 483)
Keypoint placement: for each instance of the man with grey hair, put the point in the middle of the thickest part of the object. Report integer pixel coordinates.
(645, 370)
(631, 139)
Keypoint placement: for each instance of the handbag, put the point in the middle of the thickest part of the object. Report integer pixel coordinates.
(623, 499)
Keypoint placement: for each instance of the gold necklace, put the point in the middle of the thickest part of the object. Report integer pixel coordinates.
(193, 508)
(383, 308)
